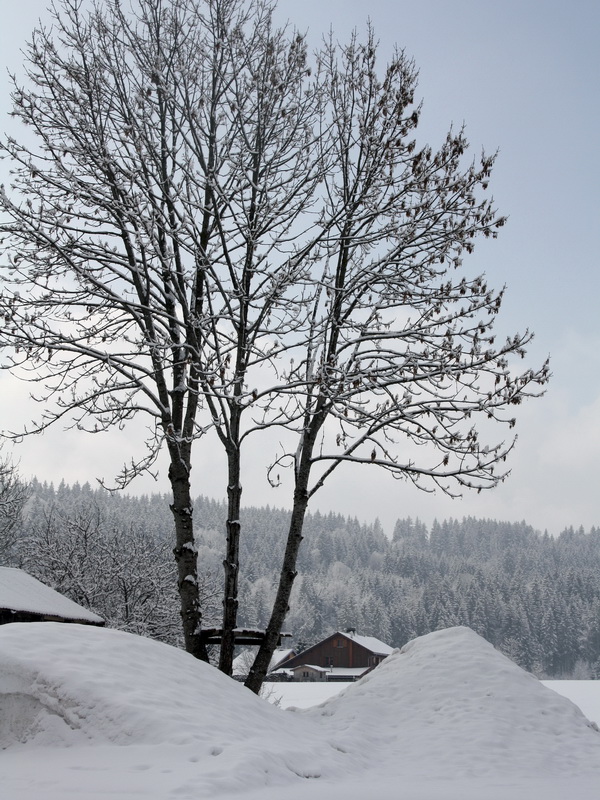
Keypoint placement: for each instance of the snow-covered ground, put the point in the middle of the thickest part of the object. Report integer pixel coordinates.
(585, 694)
(94, 714)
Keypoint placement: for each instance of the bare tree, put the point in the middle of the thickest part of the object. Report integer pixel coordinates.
(401, 360)
(211, 235)
(13, 494)
(156, 238)
(116, 569)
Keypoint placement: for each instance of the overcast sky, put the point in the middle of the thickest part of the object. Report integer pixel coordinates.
(523, 76)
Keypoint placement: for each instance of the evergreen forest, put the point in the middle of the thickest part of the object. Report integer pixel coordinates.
(535, 597)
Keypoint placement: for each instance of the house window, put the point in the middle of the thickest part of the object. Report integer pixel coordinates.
(340, 643)
(329, 661)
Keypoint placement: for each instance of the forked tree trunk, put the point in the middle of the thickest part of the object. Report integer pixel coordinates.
(187, 559)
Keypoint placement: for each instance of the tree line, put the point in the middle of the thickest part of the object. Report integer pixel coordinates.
(535, 597)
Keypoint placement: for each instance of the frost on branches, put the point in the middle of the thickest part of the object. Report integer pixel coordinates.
(234, 240)
(13, 494)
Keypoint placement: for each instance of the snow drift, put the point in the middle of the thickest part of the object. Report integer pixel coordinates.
(137, 716)
(66, 685)
(449, 704)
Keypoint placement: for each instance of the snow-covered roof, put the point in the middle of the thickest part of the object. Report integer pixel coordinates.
(308, 666)
(370, 642)
(347, 672)
(279, 656)
(22, 592)
(245, 659)
(241, 663)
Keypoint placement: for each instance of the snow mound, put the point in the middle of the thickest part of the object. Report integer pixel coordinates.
(64, 685)
(70, 684)
(450, 704)
(114, 715)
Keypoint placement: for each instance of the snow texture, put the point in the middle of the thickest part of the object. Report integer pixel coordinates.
(22, 592)
(304, 694)
(102, 713)
(370, 643)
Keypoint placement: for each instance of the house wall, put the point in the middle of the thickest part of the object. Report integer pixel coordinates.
(305, 673)
(7, 616)
(336, 651)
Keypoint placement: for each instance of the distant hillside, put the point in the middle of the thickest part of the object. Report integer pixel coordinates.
(536, 598)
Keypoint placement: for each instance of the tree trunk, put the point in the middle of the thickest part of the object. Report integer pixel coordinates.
(186, 558)
(231, 564)
(281, 605)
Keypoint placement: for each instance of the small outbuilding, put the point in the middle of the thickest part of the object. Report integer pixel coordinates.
(25, 599)
(309, 672)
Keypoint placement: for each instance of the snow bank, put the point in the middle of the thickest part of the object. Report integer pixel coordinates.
(104, 714)
(66, 685)
(449, 704)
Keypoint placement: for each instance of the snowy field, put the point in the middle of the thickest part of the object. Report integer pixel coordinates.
(94, 714)
(585, 694)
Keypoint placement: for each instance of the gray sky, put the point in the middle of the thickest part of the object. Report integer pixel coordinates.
(523, 75)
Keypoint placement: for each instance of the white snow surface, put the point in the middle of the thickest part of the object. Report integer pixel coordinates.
(22, 592)
(304, 694)
(96, 714)
(584, 693)
(371, 643)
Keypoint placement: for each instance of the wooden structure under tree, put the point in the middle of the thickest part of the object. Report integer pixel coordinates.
(248, 636)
